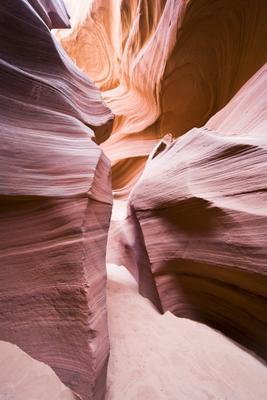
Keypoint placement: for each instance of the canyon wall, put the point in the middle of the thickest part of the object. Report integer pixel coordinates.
(194, 233)
(186, 76)
(197, 221)
(194, 236)
(163, 66)
(55, 199)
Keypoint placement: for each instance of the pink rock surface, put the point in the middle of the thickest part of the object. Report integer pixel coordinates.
(23, 378)
(197, 222)
(55, 203)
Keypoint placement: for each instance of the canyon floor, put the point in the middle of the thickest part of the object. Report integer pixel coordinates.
(153, 357)
(162, 357)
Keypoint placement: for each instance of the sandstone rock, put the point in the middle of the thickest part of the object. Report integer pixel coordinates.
(197, 221)
(194, 232)
(23, 378)
(163, 68)
(55, 199)
(53, 12)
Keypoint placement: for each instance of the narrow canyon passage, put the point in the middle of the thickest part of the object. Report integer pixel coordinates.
(133, 200)
(163, 357)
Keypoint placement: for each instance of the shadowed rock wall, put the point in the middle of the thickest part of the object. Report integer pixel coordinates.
(55, 200)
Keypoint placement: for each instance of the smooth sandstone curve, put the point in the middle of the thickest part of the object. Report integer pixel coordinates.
(166, 67)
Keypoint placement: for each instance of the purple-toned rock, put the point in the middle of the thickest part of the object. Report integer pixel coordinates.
(55, 199)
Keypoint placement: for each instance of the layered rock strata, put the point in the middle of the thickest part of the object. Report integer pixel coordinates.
(197, 221)
(163, 67)
(55, 199)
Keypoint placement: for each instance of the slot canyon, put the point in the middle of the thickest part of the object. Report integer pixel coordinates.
(133, 199)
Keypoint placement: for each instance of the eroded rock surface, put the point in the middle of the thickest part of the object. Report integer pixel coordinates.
(200, 213)
(194, 235)
(55, 201)
(163, 67)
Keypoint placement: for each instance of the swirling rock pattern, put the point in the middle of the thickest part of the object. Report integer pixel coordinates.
(197, 222)
(55, 191)
(166, 67)
(194, 234)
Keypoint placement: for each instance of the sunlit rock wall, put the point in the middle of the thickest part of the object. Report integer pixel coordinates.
(163, 66)
(55, 200)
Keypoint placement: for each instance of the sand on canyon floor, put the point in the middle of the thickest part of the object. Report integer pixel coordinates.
(162, 357)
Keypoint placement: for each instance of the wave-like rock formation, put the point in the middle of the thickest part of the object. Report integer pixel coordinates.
(163, 67)
(188, 76)
(195, 234)
(55, 199)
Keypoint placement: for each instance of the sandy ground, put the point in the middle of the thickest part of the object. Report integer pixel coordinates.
(161, 357)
